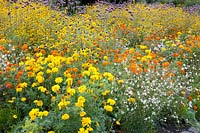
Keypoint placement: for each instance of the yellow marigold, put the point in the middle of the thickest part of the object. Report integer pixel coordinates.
(55, 88)
(131, 100)
(86, 73)
(70, 91)
(86, 121)
(82, 130)
(23, 99)
(18, 89)
(69, 81)
(39, 79)
(106, 92)
(143, 47)
(55, 69)
(33, 113)
(111, 101)
(42, 89)
(38, 102)
(65, 117)
(50, 132)
(105, 58)
(108, 108)
(81, 101)
(117, 123)
(23, 85)
(120, 81)
(58, 80)
(45, 113)
(90, 129)
(82, 113)
(15, 116)
(82, 88)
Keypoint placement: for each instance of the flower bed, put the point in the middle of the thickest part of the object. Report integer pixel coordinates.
(129, 68)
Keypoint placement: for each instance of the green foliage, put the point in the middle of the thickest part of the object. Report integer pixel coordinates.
(8, 117)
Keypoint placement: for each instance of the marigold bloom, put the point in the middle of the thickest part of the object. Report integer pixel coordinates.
(111, 101)
(195, 107)
(15, 116)
(33, 113)
(86, 121)
(165, 64)
(55, 88)
(69, 81)
(82, 113)
(108, 108)
(23, 99)
(65, 117)
(131, 100)
(58, 80)
(82, 88)
(104, 93)
(82, 130)
(18, 89)
(39, 79)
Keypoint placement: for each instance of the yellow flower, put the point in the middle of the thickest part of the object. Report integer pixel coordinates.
(90, 129)
(23, 99)
(65, 117)
(111, 101)
(55, 88)
(82, 88)
(69, 81)
(45, 113)
(81, 101)
(86, 73)
(117, 122)
(86, 121)
(105, 58)
(18, 89)
(42, 89)
(11, 101)
(82, 113)
(120, 81)
(48, 71)
(55, 69)
(50, 132)
(82, 130)
(34, 84)
(143, 47)
(15, 116)
(39, 79)
(23, 85)
(38, 102)
(70, 91)
(105, 92)
(131, 100)
(58, 80)
(33, 113)
(108, 108)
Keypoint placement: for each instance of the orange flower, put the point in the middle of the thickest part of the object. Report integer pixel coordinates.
(25, 47)
(175, 54)
(179, 63)
(165, 64)
(79, 82)
(7, 69)
(190, 98)
(105, 63)
(75, 69)
(54, 52)
(73, 76)
(9, 85)
(195, 107)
